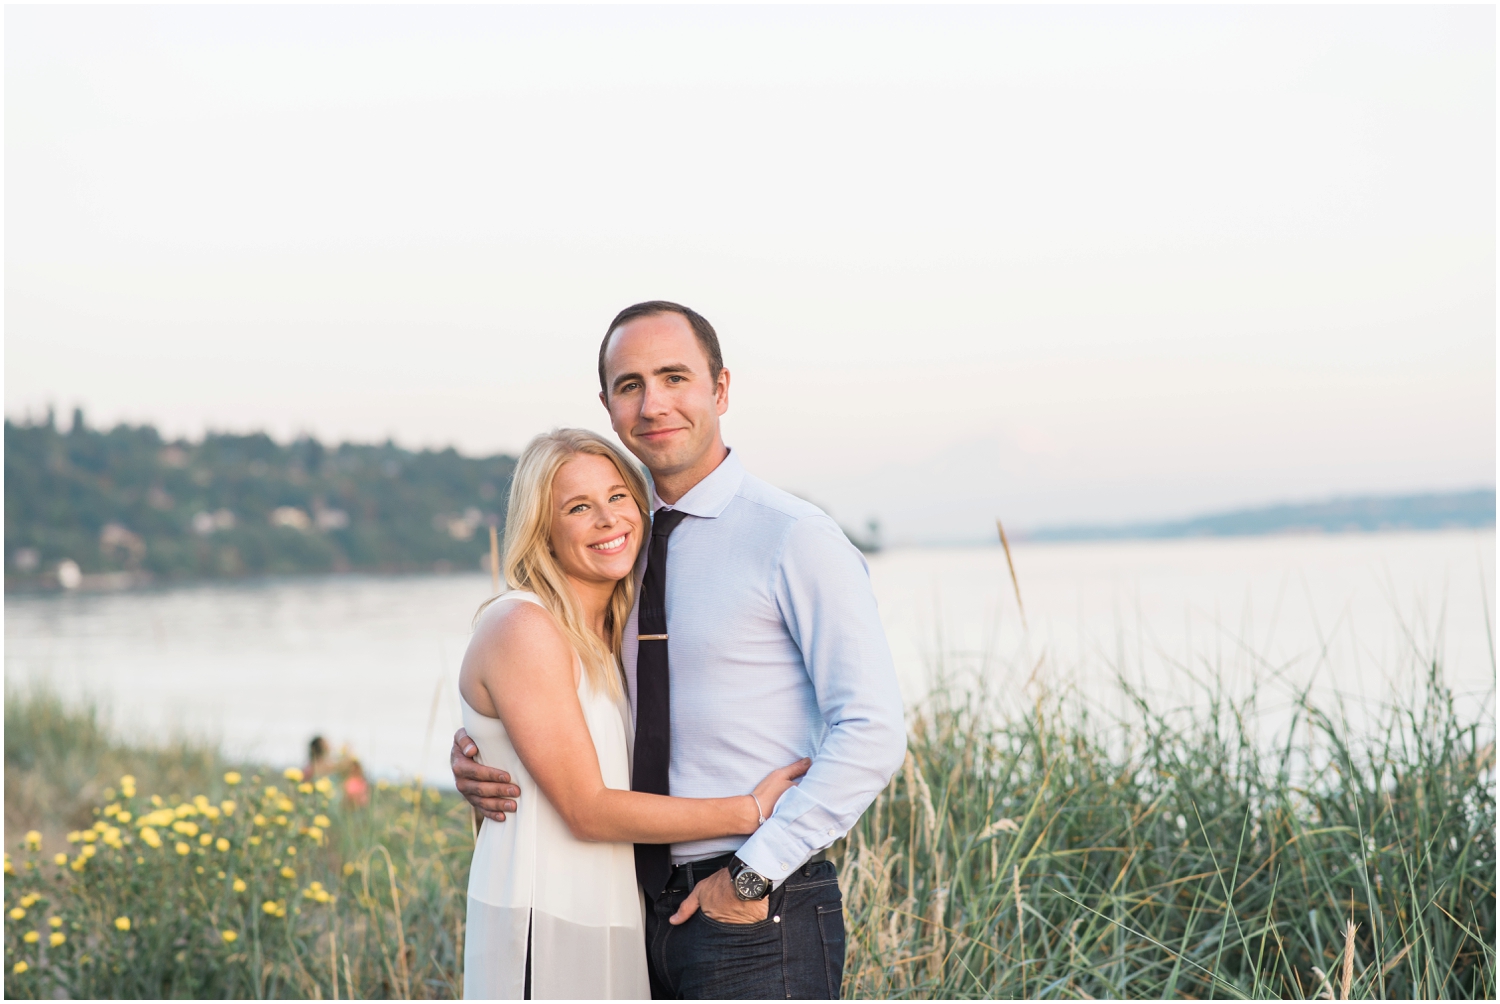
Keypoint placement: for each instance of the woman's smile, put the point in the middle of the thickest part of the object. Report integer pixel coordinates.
(613, 544)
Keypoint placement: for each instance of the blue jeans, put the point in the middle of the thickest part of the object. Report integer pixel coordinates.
(797, 952)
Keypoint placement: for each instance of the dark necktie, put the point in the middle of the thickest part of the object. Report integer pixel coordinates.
(653, 699)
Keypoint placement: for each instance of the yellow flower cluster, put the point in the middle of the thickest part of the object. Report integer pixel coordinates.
(264, 849)
(317, 893)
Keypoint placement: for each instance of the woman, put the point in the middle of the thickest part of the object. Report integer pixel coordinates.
(554, 911)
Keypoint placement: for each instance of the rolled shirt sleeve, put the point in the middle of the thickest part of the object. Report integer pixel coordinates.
(823, 590)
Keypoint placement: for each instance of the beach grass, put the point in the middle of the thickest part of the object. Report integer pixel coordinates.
(1047, 850)
(1055, 854)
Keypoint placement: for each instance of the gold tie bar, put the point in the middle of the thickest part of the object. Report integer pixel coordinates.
(651, 637)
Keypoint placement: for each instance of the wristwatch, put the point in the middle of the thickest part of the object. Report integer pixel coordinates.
(748, 883)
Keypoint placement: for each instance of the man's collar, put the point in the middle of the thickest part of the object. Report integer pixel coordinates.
(709, 497)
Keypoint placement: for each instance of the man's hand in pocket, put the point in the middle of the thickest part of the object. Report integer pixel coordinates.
(715, 897)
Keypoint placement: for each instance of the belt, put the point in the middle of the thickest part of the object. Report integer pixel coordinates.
(685, 876)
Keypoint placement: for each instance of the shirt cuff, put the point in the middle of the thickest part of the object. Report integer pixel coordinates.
(774, 852)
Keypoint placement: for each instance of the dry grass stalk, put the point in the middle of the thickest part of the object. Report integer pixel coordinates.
(1348, 975)
(1010, 563)
(1015, 885)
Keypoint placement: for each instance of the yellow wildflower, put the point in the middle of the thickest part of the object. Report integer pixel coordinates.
(269, 906)
(161, 817)
(183, 848)
(292, 774)
(272, 791)
(232, 777)
(59, 859)
(228, 806)
(127, 781)
(56, 938)
(112, 808)
(19, 968)
(122, 923)
(322, 820)
(228, 936)
(324, 785)
(100, 826)
(33, 840)
(239, 885)
(200, 800)
(254, 841)
(221, 875)
(288, 872)
(221, 844)
(348, 867)
(151, 837)
(123, 816)
(186, 809)
(17, 913)
(186, 828)
(9, 869)
(199, 869)
(31, 937)
(74, 836)
(78, 863)
(285, 804)
(29, 899)
(89, 850)
(259, 820)
(211, 811)
(280, 820)
(305, 787)
(54, 922)
(316, 832)
(291, 851)
(156, 801)
(89, 836)
(205, 839)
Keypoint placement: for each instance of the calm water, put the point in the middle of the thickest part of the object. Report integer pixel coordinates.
(371, 661)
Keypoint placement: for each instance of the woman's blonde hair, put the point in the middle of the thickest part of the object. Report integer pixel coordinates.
(530, 563)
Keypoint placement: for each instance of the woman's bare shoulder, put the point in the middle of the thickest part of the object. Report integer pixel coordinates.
(518, 633)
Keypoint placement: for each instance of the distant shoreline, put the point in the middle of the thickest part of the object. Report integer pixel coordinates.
(114, 583)
(1473, 509)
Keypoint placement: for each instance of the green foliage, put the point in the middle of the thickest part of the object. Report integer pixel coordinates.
(124, 501)
(260, 885)
(1039, 854)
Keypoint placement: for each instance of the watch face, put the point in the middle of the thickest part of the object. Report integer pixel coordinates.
(750, 885)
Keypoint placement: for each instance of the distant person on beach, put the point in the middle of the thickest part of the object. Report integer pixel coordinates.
(356, 788)
(752, 639)
(318, 763)
(553, 902)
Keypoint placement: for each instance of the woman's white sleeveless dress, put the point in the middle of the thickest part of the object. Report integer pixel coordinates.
(580, 898)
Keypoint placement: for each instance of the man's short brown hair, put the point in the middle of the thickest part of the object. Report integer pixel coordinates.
(651, 308)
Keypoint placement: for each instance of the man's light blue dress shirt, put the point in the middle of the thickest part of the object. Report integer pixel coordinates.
(776, 652)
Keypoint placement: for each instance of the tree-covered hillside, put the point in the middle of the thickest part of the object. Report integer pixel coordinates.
(96, 507)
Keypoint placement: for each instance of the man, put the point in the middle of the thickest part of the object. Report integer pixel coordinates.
(755, 641)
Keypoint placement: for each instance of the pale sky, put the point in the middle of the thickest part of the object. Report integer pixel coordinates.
(1053, 265)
